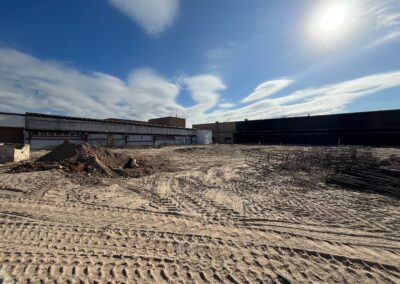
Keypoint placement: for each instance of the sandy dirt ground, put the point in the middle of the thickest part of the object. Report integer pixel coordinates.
(213, 219)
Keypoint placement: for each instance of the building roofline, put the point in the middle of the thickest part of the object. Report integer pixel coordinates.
(11, 113)
(330, 115)
(319, 115)
(32, 114)
(166, 117)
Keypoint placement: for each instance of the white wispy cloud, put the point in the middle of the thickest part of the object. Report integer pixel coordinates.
(218, 53)
(267, 89)
(321, 100)
(154, 16)
(204, 90)
(31, 84)
(385, 39)
(385, 15)
(391, 20)
(226, 105)
(385, 12)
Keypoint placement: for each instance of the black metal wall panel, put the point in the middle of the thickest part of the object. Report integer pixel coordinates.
(381, 128)
(367, 120)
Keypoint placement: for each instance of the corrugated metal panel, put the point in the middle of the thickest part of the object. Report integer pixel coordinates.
(12, 120)
(103, 140)
(43, 143)
(163, 142)
(98, 143)
(100, 132)
(97, 136)
(119, 140)
(140, 143)
(119, 143)
(139, 138)
(119, 136)
(55, 124)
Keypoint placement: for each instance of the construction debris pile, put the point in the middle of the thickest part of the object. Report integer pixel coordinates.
(349, 167)
(84, 158)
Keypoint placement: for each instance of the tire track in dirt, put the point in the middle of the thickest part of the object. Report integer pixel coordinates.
(87, 240)
(208, 223)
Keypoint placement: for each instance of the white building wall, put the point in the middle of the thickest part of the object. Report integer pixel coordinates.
(204, 137)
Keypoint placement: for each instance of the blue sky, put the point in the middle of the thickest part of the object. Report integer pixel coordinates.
(207, 60)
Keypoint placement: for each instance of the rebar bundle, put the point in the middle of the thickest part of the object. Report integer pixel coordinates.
(308, 159)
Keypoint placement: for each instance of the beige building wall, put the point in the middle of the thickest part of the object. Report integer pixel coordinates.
(222, 131)
(169, 121)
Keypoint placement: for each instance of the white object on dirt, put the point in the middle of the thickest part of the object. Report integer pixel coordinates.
(10, 153)
(133, 163)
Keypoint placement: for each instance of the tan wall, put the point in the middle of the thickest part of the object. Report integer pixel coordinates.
(207, 126)
(169, 121)
(22, 154)
(225, 138)
(220, 126)
(222, 131)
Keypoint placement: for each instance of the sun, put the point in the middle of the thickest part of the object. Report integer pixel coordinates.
(332, 21)
(334, 18)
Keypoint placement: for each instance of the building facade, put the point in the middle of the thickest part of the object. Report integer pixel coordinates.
(169, 121)
(375, 128)
(44, 131)
(222, 132)
(12, 127)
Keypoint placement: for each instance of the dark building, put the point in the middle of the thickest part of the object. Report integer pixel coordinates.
(376, 128)
(169, 121)
(12, 128)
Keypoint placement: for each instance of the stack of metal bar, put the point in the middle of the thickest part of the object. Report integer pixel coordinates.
(378, 180)
(311, 158)
(350, 167)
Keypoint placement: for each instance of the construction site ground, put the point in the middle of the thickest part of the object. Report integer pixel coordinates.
(209, 218)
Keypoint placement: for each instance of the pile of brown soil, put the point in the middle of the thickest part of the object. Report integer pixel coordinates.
(83, 158)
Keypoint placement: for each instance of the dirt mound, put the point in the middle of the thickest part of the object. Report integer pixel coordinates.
(64, 151)
(83, 158)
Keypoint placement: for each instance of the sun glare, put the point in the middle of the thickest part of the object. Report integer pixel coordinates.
(333, 18)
